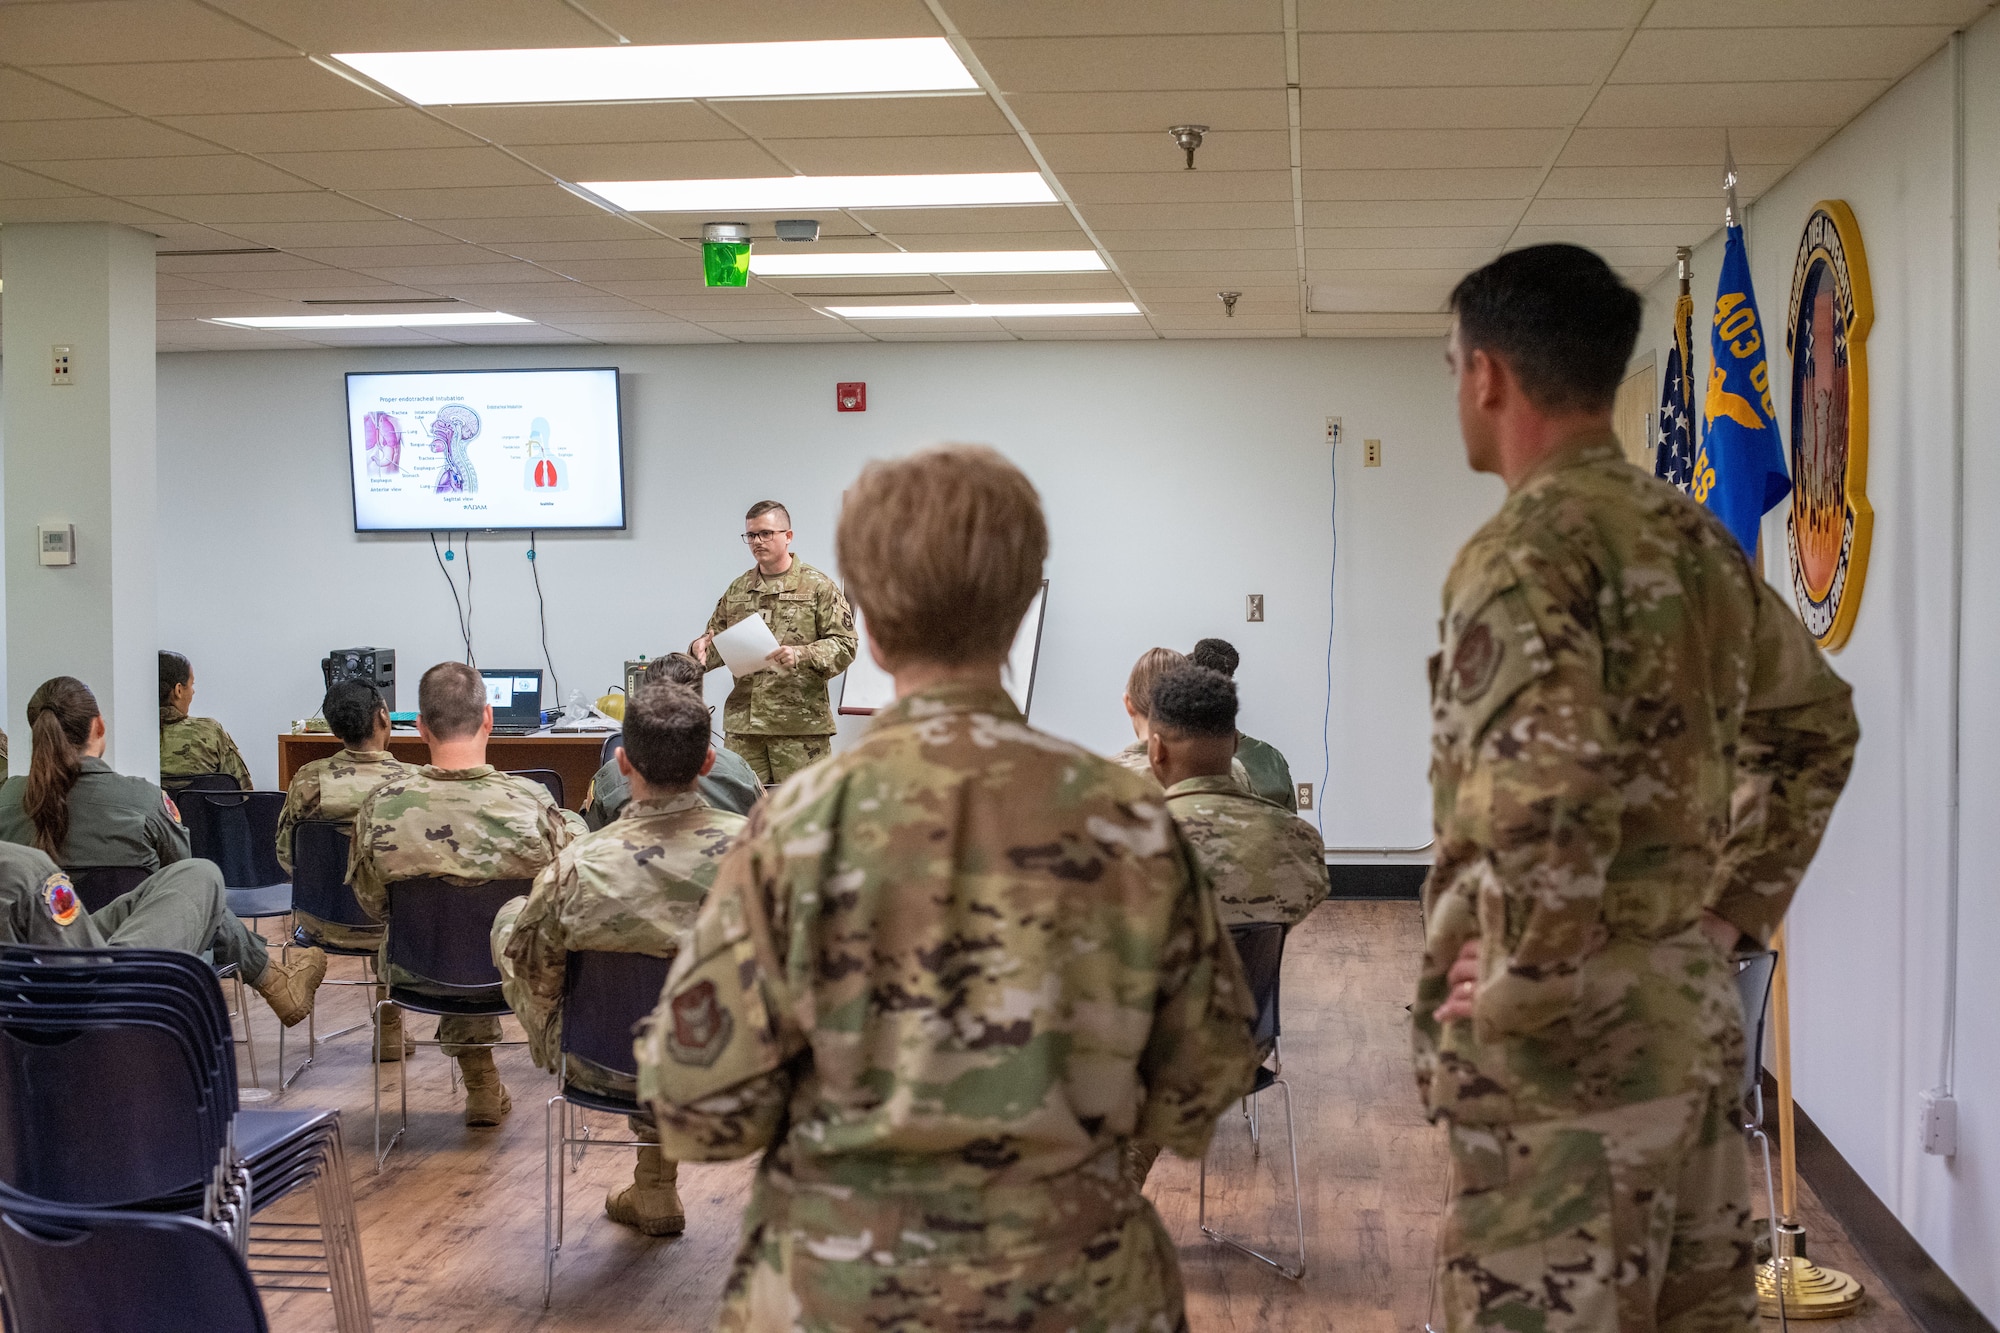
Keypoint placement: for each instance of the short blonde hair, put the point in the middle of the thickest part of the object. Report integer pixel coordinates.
(1152, 664)
(943, 552)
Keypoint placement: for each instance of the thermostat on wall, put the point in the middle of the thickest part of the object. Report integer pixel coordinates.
(58, 543)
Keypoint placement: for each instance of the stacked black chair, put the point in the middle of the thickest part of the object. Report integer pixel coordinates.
(238, 831)
(440, 931)
(64, 1268)
(548, 777)
(1262, 948)
(605, 995)
(320, 890)
(118, 1091)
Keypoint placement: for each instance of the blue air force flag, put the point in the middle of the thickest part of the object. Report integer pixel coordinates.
(1739, 470)
(1675, 460)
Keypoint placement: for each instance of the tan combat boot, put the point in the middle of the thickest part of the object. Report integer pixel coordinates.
(391, 1045)
(650, 1202)
(486, 1099)
(290, 987)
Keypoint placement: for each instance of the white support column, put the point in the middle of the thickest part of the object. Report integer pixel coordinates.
(82, 453)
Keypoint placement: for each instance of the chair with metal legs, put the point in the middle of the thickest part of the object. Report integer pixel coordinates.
(238, 831)
(1262, 948)
(440, 932)
(604, 997)
(320, 891)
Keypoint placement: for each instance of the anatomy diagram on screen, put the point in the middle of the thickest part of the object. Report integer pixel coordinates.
(544, 471)
(451, 429)
(385, 445)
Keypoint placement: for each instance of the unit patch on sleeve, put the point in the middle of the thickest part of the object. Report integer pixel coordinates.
(701, 1026)
(59, 899)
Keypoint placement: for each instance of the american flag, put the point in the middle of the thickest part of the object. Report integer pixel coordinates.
(1675, 460)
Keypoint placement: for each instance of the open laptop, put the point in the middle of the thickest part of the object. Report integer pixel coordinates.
(516, 697)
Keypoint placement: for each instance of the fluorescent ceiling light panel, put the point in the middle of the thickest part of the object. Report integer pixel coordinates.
(366, 321)
(1027, 311)
(663, 73)
(877, 264)
(769, 194)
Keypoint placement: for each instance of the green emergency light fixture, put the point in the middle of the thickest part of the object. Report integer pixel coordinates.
(725, 254)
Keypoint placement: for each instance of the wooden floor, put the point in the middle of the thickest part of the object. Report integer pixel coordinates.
(452, 1229)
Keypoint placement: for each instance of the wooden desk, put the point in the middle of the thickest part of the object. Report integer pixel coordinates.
(572, 754)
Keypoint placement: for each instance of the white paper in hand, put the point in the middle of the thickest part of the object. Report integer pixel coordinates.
(745, 645)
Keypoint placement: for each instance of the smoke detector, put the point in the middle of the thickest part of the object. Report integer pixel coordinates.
(1188, 137)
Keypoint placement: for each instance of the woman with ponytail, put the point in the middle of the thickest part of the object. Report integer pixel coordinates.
(192, 747)
(72, 806)
(73, 810)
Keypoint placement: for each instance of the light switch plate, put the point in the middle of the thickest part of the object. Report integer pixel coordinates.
(1256, 607)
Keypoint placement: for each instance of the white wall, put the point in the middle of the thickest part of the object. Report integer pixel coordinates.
(1178, 477)
(1869, 934)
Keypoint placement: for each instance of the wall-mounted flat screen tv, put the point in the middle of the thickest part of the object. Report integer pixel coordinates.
(435, 450)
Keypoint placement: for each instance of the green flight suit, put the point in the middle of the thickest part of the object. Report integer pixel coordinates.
(114, 820)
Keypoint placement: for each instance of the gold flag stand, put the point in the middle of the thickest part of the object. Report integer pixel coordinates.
(1808, 1290)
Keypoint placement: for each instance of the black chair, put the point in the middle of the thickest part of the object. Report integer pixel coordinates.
(176, 784)
(1262, 948)
(548, 777)
(440, 932)
(320, 890)
(238, 830)
(97, 886)
(611, 744)
(66, 1269)
(605, 996)
(118, 1089)
(1753, 988)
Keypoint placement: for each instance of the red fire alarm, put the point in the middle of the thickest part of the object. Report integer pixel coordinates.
(851, 397)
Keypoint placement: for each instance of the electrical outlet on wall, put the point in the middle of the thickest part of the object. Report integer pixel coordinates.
(1256, 607)
(1333, 431)
(59, 364)
(1371, 453)
(1305, 796)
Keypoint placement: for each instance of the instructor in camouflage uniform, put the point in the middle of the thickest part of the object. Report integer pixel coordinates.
(779, 718)
(1635, 750)
(630, 887)
(946, 975)
(462, 820)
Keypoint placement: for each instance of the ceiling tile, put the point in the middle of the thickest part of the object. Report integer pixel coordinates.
(1822, 103)
(434, 25)
(1026, 217)
(904, 155)
(32, 184)
(644, 21)
(1115, 64)
(1069, 239)
(545, 200)
(368, 258)
(1757, 146)
(446, 275)
(1065, 18)
(1270, 213)
(222, 268)
(226, 210)
(323, 131)
(1177, 187)
(1412, 213)
(1774, 54)
(1652, 182)
(1463, 258)
(412, 168)
(682, 262)
(700, 159)
(867, 117)
(90, 32)
(611, 123)
(79, 208)
(1141, 263)
(24, 96)
(1150, 112)
(97, 136)
(1441, 183)
(1459, 15)
(1361, 238)
(1705, 207)
(193, 87)
(1221, 150)
(1449, 59)
(1811, 13)
(1553, 106)
(596, 225)
(216, 173)
(1392, 149)
(1040, 286)
(380, 231)
(1165, 238)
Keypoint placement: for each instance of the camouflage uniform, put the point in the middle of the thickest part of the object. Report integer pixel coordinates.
(781, 720)
(1266, 864)
(191, 746)
(1629, 725)
(114, 820)
(182, 907)
(1270, 775)
(943, 979)
(466, 825)
(1133, 757)
(730, 785)
(332, 788)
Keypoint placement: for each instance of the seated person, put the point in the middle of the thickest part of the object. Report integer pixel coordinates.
(462, 820)
(731, 785)
(191, 746)
(1265, 862)
(630, 887)
(332, 788)
(70, 799)
(1138, 700)
(1270, 775)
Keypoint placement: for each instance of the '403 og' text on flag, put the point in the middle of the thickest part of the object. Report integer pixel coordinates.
(1739, 469)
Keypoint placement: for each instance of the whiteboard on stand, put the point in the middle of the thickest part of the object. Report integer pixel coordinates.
(867, 687)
